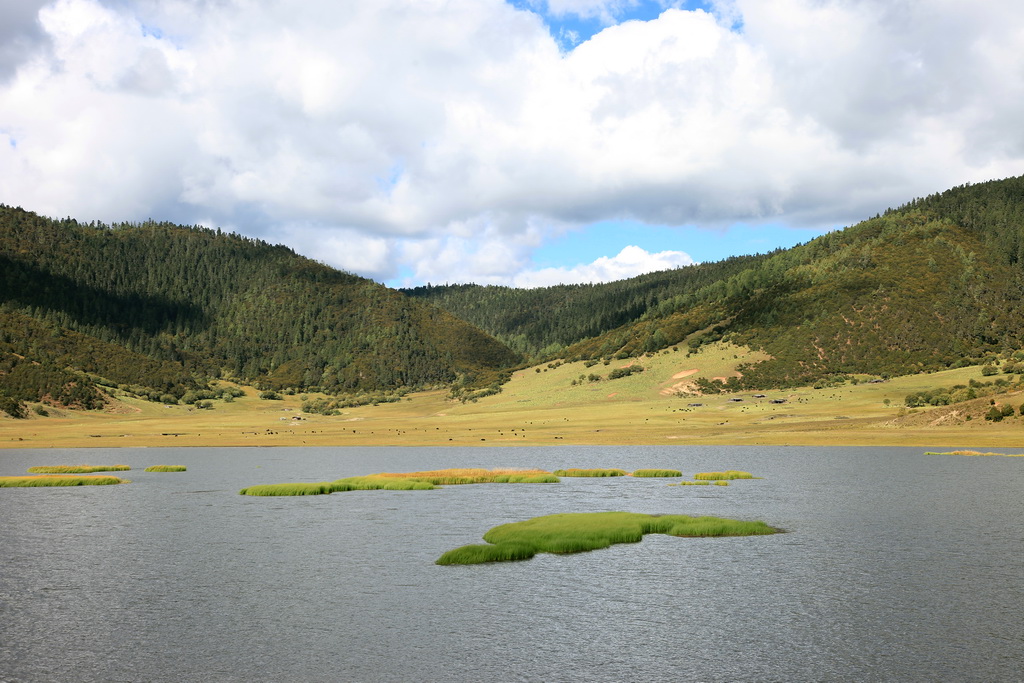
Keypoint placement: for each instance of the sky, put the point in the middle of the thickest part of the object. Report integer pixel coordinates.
(520, 142)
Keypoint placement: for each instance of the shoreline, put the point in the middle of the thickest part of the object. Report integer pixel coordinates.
(801, 434)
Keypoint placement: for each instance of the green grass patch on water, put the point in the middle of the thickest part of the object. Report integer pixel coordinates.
(371, 483)
(582, 531)
(690, 483)
(77, 469)
(407, 481)
(576, 472)
(469, 475)
(657, 473)
(722, 476)
(59, 480)
(166, 468)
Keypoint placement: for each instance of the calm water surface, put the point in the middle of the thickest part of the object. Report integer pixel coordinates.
(896, 566)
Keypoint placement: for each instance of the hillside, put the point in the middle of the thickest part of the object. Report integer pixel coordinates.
(933, 284)
(544, 321)
(162, 309)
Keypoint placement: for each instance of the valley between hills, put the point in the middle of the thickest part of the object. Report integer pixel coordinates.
(904, 329)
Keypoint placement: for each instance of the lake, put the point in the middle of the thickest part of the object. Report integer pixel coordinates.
(895, 566)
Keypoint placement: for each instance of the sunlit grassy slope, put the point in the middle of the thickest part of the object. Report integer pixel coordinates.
(542, 406)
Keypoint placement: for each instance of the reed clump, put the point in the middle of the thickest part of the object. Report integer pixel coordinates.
(657, 473)
(294, 489)
(976, 453)
(690, 483)
(77, 469)
(377, 483)
(166, 468)
(577, 472)
(583, 531)
(726, 475)
(60, 480)
(371, 483)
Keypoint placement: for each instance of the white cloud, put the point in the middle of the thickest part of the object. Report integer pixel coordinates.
(481, 251)
(349, 250)
(451, 138)
(629, 262)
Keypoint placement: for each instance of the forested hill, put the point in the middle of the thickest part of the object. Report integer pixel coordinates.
(161, 309)
(541, 322)
(167, 308)
(936, 282)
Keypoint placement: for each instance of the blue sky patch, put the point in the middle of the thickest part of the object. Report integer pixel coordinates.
(571, 29)
(608, 238)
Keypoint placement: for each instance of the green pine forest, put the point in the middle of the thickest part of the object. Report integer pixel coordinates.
(163, 310)
(936, 283)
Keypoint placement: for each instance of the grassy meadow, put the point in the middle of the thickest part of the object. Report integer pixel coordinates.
(550, 404)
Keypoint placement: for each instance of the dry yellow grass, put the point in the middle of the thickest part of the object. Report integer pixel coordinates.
(545, 408)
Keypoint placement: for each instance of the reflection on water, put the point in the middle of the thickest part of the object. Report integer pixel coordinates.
(896, 566)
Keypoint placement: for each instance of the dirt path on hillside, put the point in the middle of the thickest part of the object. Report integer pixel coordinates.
(669, 390)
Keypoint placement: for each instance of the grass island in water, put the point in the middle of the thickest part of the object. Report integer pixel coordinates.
(577, 472)
(657, 473)
(723, 476)
(166, 468)
(60, 480)
(77, 469)
(582, 531)
(405, 481)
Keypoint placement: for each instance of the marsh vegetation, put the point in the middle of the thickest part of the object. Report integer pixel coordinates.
(60, 480)
(405, 481)
(657, 473)
(577, 472)
(76, 469)
(583, 531)
(723, 476)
